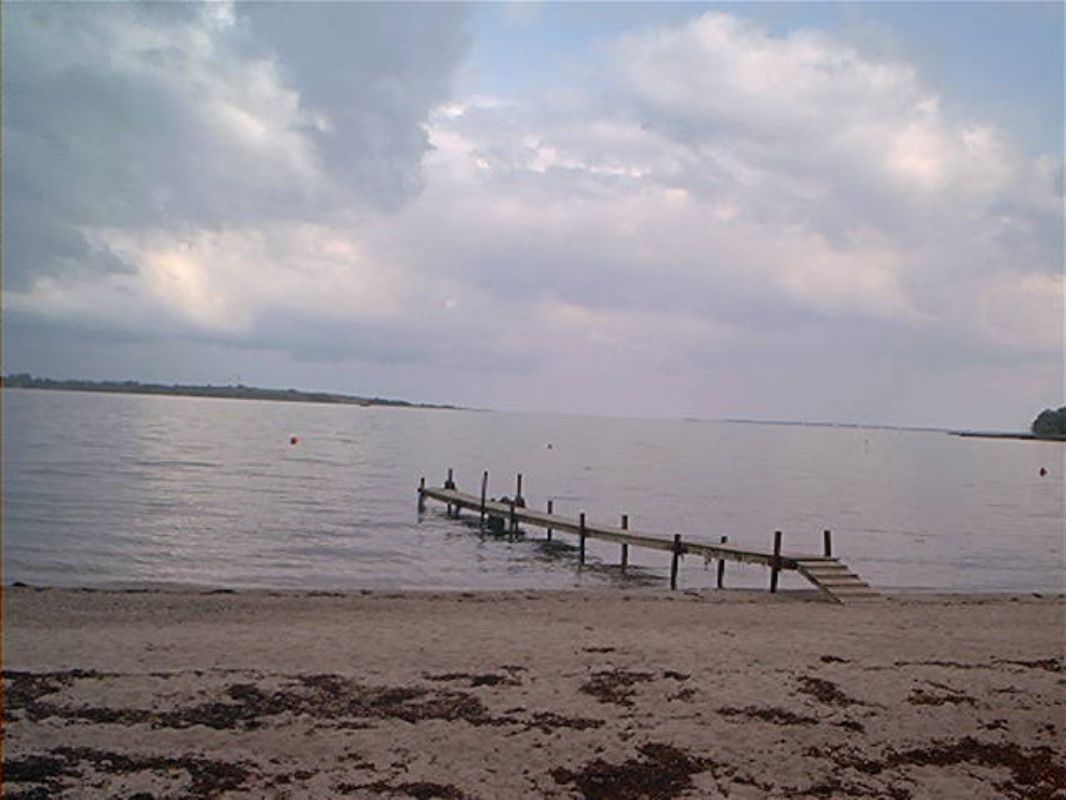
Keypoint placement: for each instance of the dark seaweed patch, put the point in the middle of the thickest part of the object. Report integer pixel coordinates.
(674, 675)
(1047, 664)
(487, 679)
(25, 689)
(614, 686)
(662, 772)
(420, 790)
(46, 770)
(1035, 773)
(244, 705)
(826, 691)
(207, 778)
(851, 725)
(778, 716)
(920, 697)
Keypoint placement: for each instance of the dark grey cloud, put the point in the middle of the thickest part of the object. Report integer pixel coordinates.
(374, 69)
(132, 116)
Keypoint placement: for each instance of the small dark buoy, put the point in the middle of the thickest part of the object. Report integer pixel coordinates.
(549, 445)
(1043, 472)
(294, 440)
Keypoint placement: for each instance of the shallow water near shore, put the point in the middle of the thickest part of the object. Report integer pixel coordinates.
(104, 489)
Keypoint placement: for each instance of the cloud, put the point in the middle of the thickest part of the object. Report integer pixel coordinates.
(725, 164)
(707, 202)
(135, 117)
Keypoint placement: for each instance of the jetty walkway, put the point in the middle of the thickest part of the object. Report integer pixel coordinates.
(828, 573)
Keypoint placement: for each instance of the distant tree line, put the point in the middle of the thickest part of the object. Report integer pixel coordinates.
(1050, 424)
(24, 380)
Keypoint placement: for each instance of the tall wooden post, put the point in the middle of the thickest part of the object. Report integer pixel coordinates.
(519, 502)
(551, 510)
(775, 567)
(674, 560)
(581, 539)
(625, 545)
(721, 567)
(484, 490)
(827, 544)
(449, 483)
(421, 495)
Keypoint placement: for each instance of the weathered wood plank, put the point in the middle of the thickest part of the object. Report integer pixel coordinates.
(609, 533)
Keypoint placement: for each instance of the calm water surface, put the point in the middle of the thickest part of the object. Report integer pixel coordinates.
(103, 489)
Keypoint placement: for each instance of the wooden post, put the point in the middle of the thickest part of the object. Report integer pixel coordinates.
(551, 510)
(421, 495)
(721, 567)
(519, 502)
(827, 544)
(674, 560)
(581, 540)
(625, 546)
(484, 489)
(775, 567)
(450, 482)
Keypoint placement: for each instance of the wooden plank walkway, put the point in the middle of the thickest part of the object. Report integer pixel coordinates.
(827, 573)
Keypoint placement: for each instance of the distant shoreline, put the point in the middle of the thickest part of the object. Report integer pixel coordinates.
(995, 435)
(866, 426)
(232, 392)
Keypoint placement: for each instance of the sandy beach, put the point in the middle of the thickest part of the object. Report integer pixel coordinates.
(149, 693)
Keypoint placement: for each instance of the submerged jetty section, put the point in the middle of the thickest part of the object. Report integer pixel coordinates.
(830, 575)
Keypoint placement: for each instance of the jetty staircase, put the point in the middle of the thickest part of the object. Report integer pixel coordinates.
(834, 579)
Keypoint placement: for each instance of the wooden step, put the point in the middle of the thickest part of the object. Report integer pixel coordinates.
(836, 580)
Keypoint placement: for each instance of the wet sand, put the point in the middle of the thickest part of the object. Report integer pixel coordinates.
(609, 694)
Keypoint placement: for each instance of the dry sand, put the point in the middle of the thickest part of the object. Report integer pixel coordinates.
(607, 694)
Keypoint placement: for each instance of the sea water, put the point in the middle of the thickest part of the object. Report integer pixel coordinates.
(102, 489)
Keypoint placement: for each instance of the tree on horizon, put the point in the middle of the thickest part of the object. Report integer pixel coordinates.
(1050, 423)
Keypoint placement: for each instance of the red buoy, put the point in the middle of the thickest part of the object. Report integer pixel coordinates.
(294, 440)
(1043, 472)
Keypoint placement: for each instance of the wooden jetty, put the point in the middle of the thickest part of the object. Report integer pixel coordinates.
(830, 575)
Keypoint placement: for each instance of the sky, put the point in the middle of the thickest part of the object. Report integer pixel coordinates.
(828, 212)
